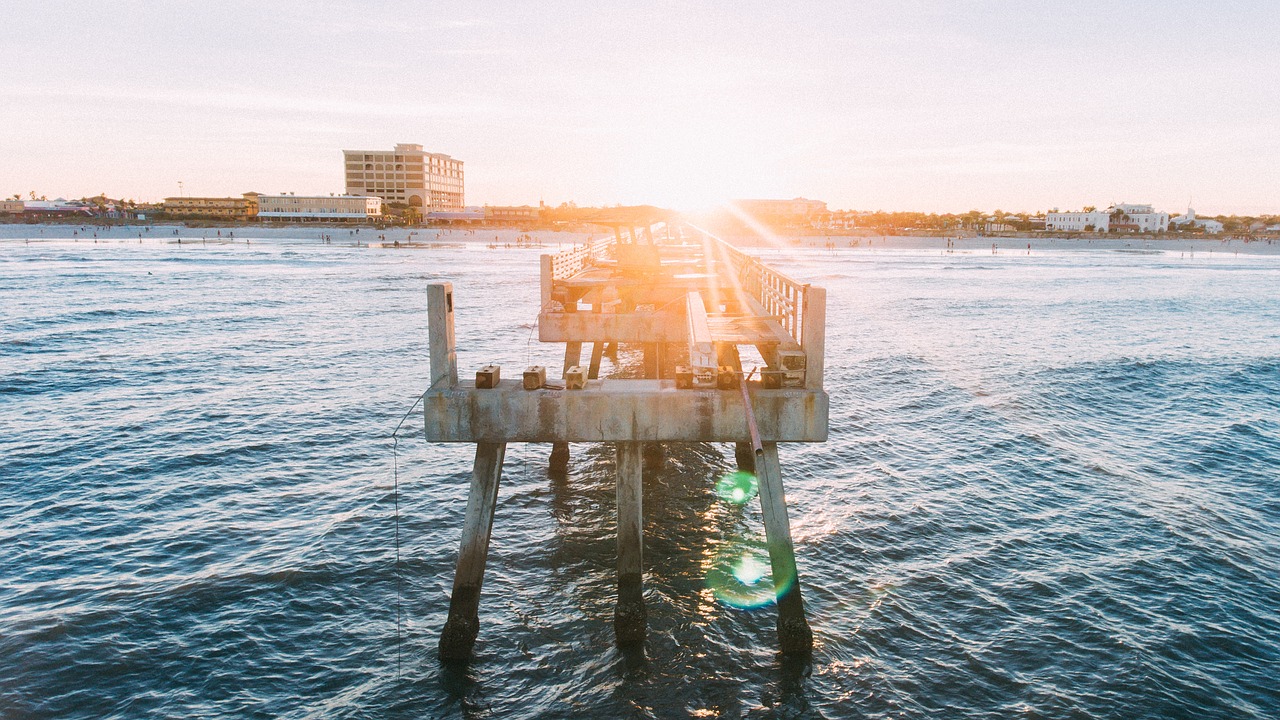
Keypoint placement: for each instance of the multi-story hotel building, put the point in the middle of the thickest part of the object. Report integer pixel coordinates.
(407, 174)
(320, 208)
(232, 208)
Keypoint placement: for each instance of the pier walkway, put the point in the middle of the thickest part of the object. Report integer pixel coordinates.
(690, 301)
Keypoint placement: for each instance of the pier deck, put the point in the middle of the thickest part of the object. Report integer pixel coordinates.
(690, 301)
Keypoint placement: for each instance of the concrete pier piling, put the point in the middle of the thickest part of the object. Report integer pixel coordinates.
(794, 635)
(629, 616)
(463, 625)
(688, 307)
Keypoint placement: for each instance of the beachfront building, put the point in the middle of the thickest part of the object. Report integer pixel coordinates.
(1190, 221)
(319, 208)
(244, 207)
(1121, 217)
(56, 208)
(1083, 221)
(407, 174)
(470, 215)
(1127, 217)
(779, 214)
(11, 207)
(511, 214)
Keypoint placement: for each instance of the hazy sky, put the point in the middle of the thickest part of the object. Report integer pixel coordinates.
(927, 105)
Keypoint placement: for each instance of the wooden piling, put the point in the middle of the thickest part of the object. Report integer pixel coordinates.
(794, 635)
(629, 617)
(463, 625)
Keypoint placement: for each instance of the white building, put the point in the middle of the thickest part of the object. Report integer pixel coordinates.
(1213, 227)
(1091, 221)
(320, 208)
(1138, 218)
(1121, 217)
(423, 180)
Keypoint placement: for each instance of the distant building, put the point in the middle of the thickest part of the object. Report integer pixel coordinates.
(797, 212)
(56, 208)
(512, 214)
(1119, 218)
(319, 208)
(1137, 218)
(466, 215)
(1084, 221)
(1213, 227)
(422, 180)
(11, 207)
(844, 219)
(225, 208)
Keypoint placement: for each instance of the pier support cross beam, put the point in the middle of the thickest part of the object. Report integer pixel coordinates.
(629, 617)
(794, 635)
(460, 630)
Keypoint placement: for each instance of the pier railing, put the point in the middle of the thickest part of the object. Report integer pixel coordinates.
(779, 295)
(568, 263)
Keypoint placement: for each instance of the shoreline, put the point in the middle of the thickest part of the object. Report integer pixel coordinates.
(554, 240)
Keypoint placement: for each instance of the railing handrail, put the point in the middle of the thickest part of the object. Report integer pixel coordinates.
(570, 262)
(779, 294)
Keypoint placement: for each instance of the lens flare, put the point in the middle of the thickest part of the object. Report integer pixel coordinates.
(737, 488)
(741, 576)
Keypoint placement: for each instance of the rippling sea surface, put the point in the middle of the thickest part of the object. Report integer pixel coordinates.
(1052, 489)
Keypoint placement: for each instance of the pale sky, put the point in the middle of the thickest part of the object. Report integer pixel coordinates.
(895, 105)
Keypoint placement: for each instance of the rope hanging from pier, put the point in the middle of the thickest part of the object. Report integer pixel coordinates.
(395, 497)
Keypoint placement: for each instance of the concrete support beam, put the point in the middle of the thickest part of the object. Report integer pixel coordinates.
(463, 625)
(620, 411)
(440, 337)
(794, 635)
(629, 617)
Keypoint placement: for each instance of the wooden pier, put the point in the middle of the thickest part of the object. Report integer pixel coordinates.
(690, 301)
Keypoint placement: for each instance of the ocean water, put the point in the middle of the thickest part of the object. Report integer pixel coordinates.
(1051, 490)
